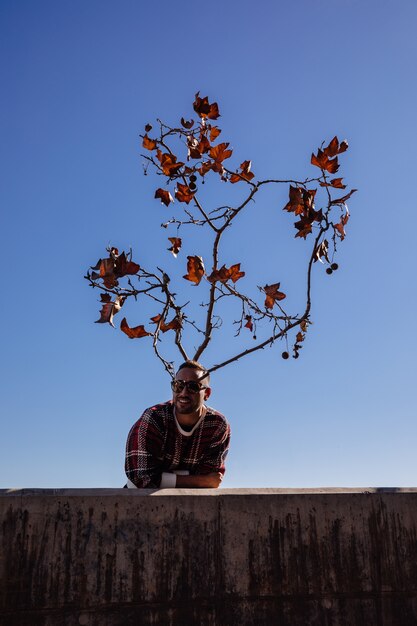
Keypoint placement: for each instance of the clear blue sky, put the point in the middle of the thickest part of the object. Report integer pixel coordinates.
(79, 81)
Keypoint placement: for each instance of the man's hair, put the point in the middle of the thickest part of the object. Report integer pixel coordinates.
(195, 365)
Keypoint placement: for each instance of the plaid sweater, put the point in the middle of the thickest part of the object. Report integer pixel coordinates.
(156, 445)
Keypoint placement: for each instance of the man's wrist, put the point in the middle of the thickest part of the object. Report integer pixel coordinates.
(188, 481)
(202, 481)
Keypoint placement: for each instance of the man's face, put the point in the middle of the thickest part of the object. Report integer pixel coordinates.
(185, 401)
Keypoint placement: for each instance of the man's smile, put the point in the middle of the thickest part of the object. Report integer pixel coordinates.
(184, 400)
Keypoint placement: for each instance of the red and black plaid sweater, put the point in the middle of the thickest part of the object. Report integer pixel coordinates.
(156, 445)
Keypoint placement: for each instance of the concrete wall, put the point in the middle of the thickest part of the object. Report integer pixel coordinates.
(99, 557)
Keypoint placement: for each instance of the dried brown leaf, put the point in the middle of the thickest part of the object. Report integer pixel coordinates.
(204, 109)
(109, 310)
(133, 333)
(273, 295)
(334, 182)
(176, 245)
(220, 152)
(183, 193)
(322, 161)
(249, 322)
(187, 124)
(244, 174)
(343, 199)
(195, 269)
(214, 133)
(224, 274)
(164, 195)
(168, 163)
(322, 251)
(149, 144)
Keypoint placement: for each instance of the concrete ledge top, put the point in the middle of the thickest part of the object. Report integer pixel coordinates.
(103, 492)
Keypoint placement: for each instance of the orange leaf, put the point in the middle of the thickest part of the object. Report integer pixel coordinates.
(214, 133)
(334, 182)
(183, 193)
(322, 251)
(205, 167)
(343, 199)
(323, 162)
(196, 148)
(106, 272)
(195, 269)
(174, 324)
(220, 152)
(304, 227)
(109, 309)
(186, 124)
(224, 274)
(235, 273)
(149, 144)
(123, 267)
(245, 173)
(273, 295)
(204, 145)
(249, 322)
(176, 245)
(106, 267)
(114, 267)
(340, 227)
(295, 203)
(335, 148)
(320, 160)
(204, 108)
(168, 163)
(337, 182)
(301, 200)
(193, 147)
(133, 333)
(164, 196)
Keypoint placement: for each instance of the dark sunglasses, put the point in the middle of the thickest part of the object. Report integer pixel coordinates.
(191, 385)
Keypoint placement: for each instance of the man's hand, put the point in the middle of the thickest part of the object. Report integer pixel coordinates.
(201, 481)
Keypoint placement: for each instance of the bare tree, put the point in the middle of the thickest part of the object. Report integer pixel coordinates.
(118, 277)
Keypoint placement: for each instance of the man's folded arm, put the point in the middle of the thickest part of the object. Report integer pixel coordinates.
(210, 470)
(214, 458)
(143, 453)
(200, 481)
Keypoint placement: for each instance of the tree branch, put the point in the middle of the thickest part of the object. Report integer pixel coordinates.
(205, 158)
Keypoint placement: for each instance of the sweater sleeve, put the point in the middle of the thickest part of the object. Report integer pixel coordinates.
(143, 464)
(213, 459)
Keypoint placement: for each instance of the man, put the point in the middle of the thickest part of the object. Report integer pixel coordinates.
(181, 443)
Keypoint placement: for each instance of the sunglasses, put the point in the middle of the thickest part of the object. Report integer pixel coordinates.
(191, 385)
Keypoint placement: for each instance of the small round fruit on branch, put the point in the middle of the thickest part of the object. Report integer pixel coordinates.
(285, 355)
(334, 266)
(329, 270)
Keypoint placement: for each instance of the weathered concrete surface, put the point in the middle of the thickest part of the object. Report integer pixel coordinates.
(99, 557)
